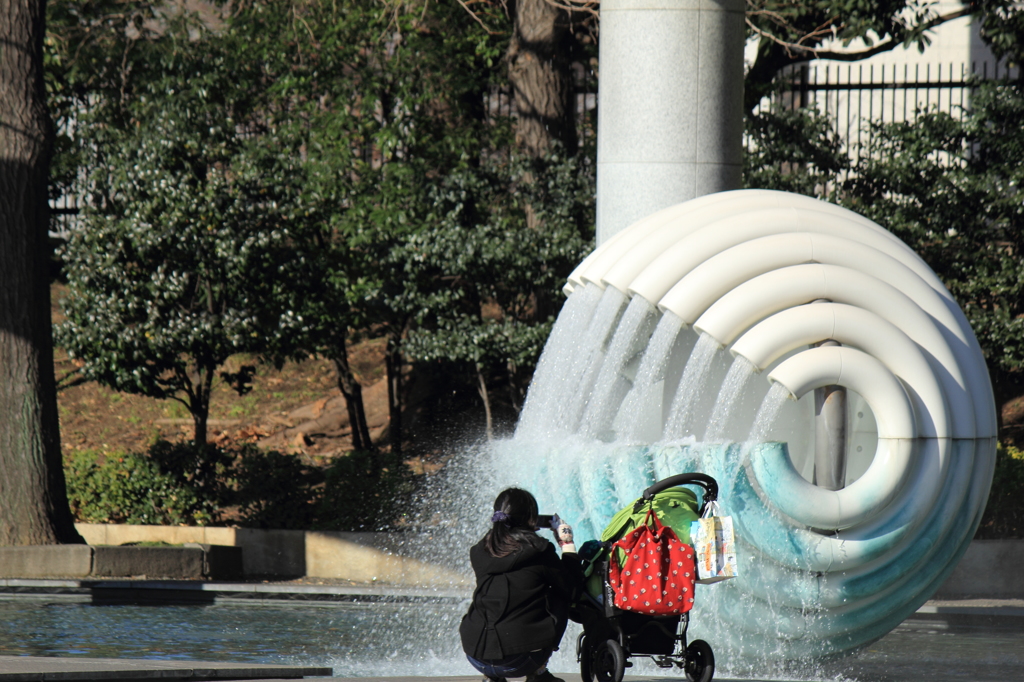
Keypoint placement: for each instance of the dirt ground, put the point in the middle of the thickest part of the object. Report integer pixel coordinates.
(297, 408)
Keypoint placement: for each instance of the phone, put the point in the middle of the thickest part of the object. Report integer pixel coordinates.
(544, 521)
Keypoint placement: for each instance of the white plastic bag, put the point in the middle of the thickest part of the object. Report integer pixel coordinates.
(715, 543)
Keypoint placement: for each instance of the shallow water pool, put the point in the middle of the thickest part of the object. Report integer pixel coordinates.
(356, 639)
(363, 639)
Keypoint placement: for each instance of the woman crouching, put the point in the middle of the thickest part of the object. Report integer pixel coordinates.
(523, 592)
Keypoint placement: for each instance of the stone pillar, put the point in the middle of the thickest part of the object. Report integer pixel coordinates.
(830, 434)
(670, 105)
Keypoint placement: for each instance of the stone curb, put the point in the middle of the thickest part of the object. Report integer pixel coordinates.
(170, 591)
(191, 561)
(45, 669)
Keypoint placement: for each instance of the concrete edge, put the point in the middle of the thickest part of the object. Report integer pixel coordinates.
(358, 556)
(988, 611)
(190, 561)
(44, 668)
(365, 557)
(265, 594)
(172, 591)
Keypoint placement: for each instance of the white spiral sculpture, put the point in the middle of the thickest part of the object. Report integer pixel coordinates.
(826, 571)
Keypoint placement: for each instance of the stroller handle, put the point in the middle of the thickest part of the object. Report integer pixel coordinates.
(709, 484)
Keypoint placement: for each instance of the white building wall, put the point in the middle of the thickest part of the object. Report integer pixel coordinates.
(954, 42)
(894, 86)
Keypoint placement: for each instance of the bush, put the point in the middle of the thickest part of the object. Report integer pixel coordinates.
(274, 490)
(1004, 515)
(207, 471)
(178, 483)
(132, 488)
(364, 491)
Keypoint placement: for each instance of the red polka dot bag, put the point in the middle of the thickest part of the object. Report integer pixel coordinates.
(657, 571)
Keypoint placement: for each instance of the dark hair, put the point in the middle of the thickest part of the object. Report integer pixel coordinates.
(520, 518)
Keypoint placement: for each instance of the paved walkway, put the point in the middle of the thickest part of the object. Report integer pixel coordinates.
(974, 607)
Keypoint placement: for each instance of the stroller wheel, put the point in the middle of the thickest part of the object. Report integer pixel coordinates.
(585, 654)
(608, 662)
(700, 661)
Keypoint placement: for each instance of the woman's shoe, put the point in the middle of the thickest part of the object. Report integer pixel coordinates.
(545, 676)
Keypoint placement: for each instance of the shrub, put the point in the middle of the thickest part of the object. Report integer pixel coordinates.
(1004, 515)
(206, 470)
(130, 487)
(274, 490)
(364, 491)
(178, 483)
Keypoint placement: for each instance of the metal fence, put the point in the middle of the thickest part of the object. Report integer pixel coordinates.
(63, 215)
(854, 96)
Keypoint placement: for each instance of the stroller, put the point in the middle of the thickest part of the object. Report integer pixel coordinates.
(611, 636)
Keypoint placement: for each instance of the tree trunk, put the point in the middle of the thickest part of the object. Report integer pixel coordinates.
(199, 404)
(539, 72)
(353, 393)
(760, 78)
(486, 397)
(393, 364)
(33, 498)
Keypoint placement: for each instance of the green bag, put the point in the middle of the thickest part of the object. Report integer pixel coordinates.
(675, 507)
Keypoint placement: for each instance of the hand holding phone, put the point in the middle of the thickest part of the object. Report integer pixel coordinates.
(562, 531)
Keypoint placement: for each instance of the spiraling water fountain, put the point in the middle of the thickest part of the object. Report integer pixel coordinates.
(636, 383)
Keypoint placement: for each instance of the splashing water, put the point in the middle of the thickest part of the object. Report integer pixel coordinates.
(612, 385)
(562, 348)
(578, 387)
(691, 387)
(565, 374)
(642, 406)
(733, 388)
(565, 454)
(769, 412)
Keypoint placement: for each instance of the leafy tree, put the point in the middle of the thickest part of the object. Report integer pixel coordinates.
(545, 39)
(1004, 513)
(791, 33)
(793, 150)
(32, 487)
(362, 110)
(185, 255)
(383, 99)
(952, 191)
(540, 53)
(495, 270)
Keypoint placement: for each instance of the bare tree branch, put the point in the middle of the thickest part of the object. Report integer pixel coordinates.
(71, 379)
(588, 6)
(891, 43)
(800, 48)
(477, 18)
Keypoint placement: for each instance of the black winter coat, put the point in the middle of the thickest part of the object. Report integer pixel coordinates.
(521, 600)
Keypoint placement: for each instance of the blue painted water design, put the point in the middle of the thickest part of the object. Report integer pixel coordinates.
(386, 639)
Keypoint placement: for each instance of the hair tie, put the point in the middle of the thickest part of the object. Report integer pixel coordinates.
(500, 517)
